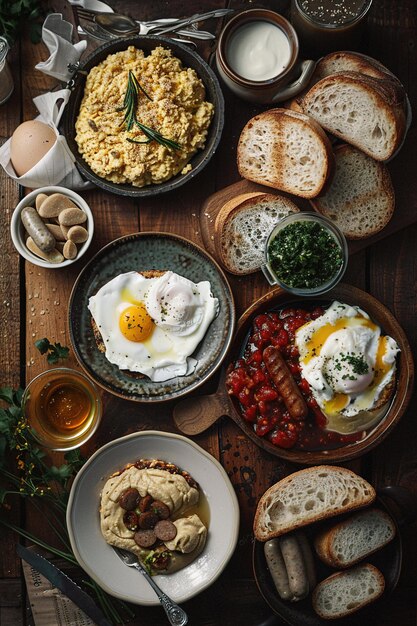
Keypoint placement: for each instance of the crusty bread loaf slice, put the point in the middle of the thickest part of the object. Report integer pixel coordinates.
(363, 111)
(346, 61)
(346, 592)
(308, 496)
(242, 227)
(285, 150)
(342, 62)
(355, 538)
(360, 198)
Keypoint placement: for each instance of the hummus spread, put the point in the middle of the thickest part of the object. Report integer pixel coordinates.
(164, 486)
(176, 108)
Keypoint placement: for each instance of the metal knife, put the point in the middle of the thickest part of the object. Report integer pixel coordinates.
(62, 582)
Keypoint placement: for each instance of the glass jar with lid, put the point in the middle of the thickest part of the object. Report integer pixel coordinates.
(324, 26)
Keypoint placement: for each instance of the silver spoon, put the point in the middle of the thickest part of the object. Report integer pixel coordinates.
(125, 25)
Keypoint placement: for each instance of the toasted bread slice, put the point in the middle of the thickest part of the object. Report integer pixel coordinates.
(285, 150)
(366, 112)
(242, 227)
(345, 61)
(355, 538)
(360, 198)
(308, 496)
(97, 335)
(346, 592)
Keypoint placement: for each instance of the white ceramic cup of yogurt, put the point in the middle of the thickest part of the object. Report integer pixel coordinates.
(257, 57)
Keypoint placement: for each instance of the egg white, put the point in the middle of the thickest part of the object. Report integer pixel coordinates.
(347, 363)
(181, 310)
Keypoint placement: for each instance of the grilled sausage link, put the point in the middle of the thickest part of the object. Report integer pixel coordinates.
(284, 382)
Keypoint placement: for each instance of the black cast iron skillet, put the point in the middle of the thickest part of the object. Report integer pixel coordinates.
(401, 504)
(147, 44)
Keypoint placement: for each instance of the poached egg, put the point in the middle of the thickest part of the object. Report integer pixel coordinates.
(347, 363)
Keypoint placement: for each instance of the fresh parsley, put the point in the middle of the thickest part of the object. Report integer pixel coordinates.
(14, 15)
(55, 351)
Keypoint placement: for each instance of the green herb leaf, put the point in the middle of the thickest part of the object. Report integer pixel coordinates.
(14, 16)
(42, 345)
(130, 104)
(56, 351)
(61, 474)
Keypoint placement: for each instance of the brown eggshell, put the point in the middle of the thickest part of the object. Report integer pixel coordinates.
(29, 144)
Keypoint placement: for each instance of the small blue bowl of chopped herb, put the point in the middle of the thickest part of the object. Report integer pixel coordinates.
(306, 254)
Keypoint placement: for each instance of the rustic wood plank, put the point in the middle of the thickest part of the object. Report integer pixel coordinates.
(234, 596)
(10, 304)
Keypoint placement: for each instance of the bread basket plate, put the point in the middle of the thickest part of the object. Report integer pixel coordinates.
(388, 560)
(189, 59)
(98, 558)
(276, 300)
(139, 252)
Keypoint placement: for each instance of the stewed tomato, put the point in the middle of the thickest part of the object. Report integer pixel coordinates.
(260, 401)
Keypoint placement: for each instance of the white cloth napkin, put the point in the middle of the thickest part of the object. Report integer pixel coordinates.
(57, 36)
(57, 167)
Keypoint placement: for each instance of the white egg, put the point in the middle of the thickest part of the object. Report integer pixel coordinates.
(347, 363)
(153, 325)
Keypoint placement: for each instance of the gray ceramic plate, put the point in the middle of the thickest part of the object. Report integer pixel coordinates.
(146, 251)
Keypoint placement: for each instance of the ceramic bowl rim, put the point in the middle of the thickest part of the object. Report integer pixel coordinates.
(16, 228)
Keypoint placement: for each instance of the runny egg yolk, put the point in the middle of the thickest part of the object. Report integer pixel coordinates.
(336, 404)
(381, 368)
(135, 323)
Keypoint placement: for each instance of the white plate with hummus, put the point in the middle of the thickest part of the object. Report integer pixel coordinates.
(217, 507)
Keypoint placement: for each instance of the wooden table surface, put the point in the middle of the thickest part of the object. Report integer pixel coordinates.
(33, 304)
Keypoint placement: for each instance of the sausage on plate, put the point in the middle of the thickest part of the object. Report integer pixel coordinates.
(284, 382)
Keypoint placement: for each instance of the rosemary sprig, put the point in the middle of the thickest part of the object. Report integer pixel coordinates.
(130, 104)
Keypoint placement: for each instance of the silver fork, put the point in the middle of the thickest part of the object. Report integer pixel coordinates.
(98, 33)
(176, 615)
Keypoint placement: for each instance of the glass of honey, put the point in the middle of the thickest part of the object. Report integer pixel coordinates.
(63, 408)
(325, 26)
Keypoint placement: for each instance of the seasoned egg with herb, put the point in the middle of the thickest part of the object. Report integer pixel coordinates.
(349, 365)
(153, 325)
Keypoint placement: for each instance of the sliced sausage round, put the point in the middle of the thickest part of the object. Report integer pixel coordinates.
(130, 520)
(161, 509)
(145, 538)
(148, 520)
(165, 530)
(145, 503)
(129, 499)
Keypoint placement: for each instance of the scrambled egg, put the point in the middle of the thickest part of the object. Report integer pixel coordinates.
(177, 109)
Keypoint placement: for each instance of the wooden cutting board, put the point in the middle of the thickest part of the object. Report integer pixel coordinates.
(403, 215)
